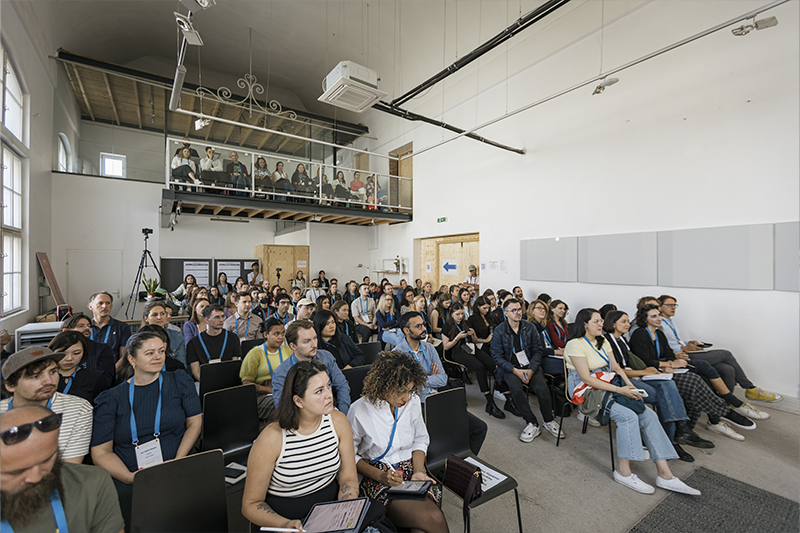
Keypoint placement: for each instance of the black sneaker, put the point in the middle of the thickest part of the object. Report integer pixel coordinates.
(690, 438)
(683, 455)
(735, 419)
(509, 406)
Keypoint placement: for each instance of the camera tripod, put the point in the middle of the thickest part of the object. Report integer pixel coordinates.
(134, 297)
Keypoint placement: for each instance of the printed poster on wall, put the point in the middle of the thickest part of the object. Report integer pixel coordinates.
(301, 264)
(428, 266)
(198, 269)
(232, 269)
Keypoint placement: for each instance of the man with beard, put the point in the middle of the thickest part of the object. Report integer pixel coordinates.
(32, 378)
(39, 492)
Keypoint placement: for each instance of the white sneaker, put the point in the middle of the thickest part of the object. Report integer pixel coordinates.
(554, 429)
(676, 485)
(529, 433)
(646, 453)
(724, 429)
(634, 483)
(592, 421)
(751, 411)
(499, 396)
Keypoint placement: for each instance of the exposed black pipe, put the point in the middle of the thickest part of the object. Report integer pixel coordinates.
(521, 24)
(408, 115)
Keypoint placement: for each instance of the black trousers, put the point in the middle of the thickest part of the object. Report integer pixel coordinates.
(481, 363)
(539, 386)
(364, 331)
(477, 432)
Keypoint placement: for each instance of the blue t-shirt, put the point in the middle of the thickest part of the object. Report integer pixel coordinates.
(114, 333)
(112, 416)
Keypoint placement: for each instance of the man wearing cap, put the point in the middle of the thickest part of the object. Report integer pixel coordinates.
(243, 323)
(42, 493)
(31, 375)
(305, 308)
(106, 329)
(473, 278)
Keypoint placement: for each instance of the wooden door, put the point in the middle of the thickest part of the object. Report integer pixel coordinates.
(429, 256)
(406, 169)
(289, 259)
(456, 250)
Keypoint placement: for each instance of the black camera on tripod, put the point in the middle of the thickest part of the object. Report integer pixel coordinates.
(147, 231)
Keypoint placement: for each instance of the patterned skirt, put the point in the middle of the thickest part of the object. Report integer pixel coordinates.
(374, 489)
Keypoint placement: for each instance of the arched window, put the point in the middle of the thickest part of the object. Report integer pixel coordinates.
(64, 154)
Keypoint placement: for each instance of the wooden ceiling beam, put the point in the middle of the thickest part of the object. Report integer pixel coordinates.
(285, 215)
(253, 212)
(267, 135)
(245, 136)
(230, 130)
(198, 208)
(268, 214)
(111, 98)
(138, 107)
(294, 131)
(235, 211)
(83, 92)
(217, 209)
(302, 216)
(189, 118)
(213, 114)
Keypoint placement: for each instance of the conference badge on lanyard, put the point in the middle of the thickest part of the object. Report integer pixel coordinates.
(522, 358)
(148, 454)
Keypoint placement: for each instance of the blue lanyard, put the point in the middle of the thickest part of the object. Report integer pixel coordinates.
(391, 437)
(361, 305)
(246, 329)
(224, 344)
(654, 338)
(285, 319)
(69, 383)
(11, 404)
(561, 333)
(316, 294)
(347, 329)
(295, 308)
(157, 431)
(603, 355)
(668, 322)
(224, 289)
(547, 336)
(58, 512)
(266, 353)
(459, 328)
(108, 332)
(424, 361)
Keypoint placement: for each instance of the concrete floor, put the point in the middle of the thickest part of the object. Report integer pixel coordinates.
(570, 488)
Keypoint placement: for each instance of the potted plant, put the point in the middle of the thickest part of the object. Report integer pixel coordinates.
(397, 263)
(150, 285)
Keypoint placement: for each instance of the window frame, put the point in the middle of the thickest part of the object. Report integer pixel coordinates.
(12, 238)
(107, 156)
(20, 101)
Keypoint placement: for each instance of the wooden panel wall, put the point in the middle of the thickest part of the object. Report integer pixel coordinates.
(273, 256)
(464, 249)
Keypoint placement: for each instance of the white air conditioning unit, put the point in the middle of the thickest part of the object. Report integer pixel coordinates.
(36, 334)
(351, 86)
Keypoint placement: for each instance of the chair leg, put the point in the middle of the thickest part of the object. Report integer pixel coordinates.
(519, 514)
(558, 439)
(611, 444)
(585, 424)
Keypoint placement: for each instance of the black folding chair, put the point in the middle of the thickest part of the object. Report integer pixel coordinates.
(184, 495)
(371, 350)
(230, 422)
(448, 429)
(249, 345)
(355, 378)
(216, 376)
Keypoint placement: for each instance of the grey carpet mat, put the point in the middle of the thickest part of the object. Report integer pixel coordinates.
(726, 506)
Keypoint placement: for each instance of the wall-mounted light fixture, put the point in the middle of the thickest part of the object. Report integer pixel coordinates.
(607, 82)
(762, 24)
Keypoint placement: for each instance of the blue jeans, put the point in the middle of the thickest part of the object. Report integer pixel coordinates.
(632, 429)
(664, 395)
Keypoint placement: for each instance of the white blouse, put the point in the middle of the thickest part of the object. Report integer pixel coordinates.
(372, 426)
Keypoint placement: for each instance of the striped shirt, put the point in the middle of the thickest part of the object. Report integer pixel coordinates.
(306, 463)
(76, 424)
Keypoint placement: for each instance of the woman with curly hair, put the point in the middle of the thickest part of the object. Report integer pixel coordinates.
(391, 441)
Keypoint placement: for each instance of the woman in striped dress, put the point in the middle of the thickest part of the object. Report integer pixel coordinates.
(305, 457)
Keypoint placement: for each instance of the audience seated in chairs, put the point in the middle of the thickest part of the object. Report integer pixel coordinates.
(281, 183)
(517, 352)
(73, 378)
(407, 296)
(196, 322)
(537, 315)
(100, 356)
(262, 175)
(183, 168)
(345, 324)
(363, 312)
(182, 292)
(342, 347)
(154, 409)
(439, 314)
(589, 362)
(302, 182)
(282, 305)
(210, 163)
(155, 313)
(303, 458)
(238, 174)
(391, 441)
(260, 363)
(386, 316)
(244, 324)
(458, 340)
(223, 287)
(107, 329)
(212, 345)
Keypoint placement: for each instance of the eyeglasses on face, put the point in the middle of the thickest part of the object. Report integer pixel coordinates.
(671, 305)
(515, 310)
(17, 434)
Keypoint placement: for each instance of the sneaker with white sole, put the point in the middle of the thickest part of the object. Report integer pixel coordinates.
(529, 433)
(735, 419)
(751, 411)
(676, 485)
(724, 429)
(761, 395)
(633, 483)
(554, 429)
(592, 421)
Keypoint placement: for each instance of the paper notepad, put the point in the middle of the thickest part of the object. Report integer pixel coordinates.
(656, 377)
(491, 478)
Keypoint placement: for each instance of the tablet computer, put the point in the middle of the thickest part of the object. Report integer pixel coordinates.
(409, 490)
(343, 516)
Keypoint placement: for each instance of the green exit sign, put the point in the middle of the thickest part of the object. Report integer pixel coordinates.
(442, 219)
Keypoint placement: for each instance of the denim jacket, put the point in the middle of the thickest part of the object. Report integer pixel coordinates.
(503, 347)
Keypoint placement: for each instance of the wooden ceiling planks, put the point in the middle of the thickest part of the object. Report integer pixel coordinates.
(83, 92)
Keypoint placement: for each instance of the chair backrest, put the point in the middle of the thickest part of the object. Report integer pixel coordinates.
(217, 376)
(230, 420)
(371, 350)
(182, 495)
(355, 378)
(448, 427)
(249, 345)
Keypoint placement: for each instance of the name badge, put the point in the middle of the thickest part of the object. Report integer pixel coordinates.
(149, 454)
(365, 317)
(547, 344)
(212, 361)
(522, 358)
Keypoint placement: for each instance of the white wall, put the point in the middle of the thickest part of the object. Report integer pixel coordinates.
(199, 236)
(143, 150)
(703, 136)
(338, 250)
